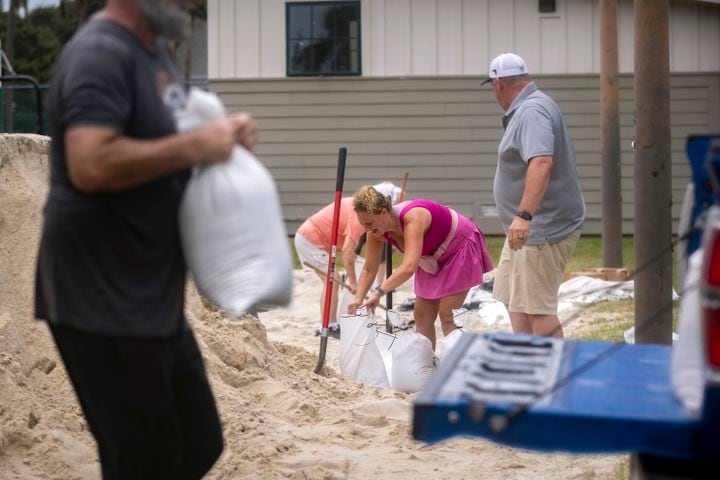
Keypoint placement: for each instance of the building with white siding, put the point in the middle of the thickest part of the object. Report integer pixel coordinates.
(398, 83)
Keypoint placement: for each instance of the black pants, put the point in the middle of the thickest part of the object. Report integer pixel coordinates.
(147, 401)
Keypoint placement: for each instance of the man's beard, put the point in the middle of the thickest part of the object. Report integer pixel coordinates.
(169, 21)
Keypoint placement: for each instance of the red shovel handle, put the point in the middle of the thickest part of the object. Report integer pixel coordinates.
(330, 278)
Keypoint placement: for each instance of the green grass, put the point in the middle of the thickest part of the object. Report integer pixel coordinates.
(611, 318)
(296, 260)
(588, 253)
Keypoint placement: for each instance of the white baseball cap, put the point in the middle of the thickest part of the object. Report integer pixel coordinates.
(389, 190)
(506, 65)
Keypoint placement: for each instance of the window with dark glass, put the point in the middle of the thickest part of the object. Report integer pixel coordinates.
(323, 38)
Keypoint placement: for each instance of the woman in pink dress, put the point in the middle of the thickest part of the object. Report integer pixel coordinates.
(443, 249)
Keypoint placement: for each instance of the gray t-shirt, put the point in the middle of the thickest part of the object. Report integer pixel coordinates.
(111, 263)
(535, 127)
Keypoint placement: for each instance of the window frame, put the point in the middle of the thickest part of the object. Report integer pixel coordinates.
(354, 3)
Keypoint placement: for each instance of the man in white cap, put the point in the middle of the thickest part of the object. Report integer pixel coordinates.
(538, 197)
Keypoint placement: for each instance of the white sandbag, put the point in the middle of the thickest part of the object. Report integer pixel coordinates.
(412, 361)
(360, 357)
(460, 316)
(384, 342)
(687, 366)
(346, 299)
(231, 225)
(398, 320)
(450, 340)
(629, 336)
(495, 313)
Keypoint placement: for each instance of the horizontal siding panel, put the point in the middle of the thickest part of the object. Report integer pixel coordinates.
(591, 175)
(419, 184)
(423, 172)
(425, 134)
(294, 85)
(378, 147)
(405, 161)
(326, 197)
(377, 110)
(344, 123)
(383, 135)
(445, 132)
(439, 109)
(349, 98)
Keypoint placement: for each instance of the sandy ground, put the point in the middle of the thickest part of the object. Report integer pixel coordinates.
(280, 419)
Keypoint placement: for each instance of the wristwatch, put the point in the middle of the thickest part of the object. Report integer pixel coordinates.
(380, 291)
(524, 214)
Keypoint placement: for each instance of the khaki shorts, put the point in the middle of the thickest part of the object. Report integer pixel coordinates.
(309, 253)
(527, 280)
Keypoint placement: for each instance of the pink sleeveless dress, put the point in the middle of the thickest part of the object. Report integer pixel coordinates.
(464, 261)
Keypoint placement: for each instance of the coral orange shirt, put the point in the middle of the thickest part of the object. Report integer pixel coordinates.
(318, 228)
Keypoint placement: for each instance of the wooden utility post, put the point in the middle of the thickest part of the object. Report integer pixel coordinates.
(611, 193)
(652, 174)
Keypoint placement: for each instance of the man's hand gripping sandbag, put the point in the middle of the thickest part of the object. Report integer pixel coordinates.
(231, 224)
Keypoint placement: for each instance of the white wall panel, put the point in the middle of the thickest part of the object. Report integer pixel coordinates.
(709, 38)
(626, 37)
(501, 27)
(366, 40)
(272, 38)
(247, 31)
(475, 37)
(246, 38)
(596, 36)
(527, 39)
(684, 38)
(552, 33)
(226, 39)
(424, 36)
(397, 37)
(377, 40)
(580, 36)
(450, 37)
(213, 31)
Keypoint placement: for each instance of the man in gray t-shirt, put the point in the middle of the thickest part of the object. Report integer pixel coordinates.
(538, 197)
(111, 273)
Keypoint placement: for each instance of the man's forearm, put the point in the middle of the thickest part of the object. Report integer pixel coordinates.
(348, 256)
(100, 159)
(536, 183)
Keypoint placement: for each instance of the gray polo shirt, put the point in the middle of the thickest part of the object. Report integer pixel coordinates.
(535, 127)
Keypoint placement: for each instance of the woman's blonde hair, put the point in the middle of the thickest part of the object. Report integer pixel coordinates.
(369, 200)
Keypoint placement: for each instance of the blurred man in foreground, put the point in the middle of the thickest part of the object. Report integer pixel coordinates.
(111, 274)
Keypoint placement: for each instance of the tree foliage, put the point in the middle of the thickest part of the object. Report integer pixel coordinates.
(39, 34)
